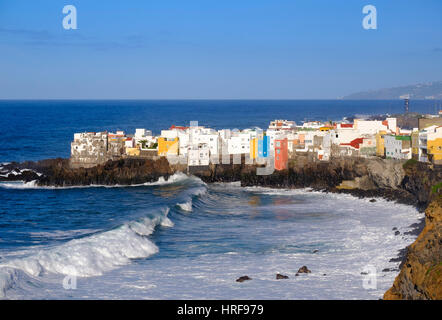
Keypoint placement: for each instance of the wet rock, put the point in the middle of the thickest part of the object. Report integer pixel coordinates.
(315, 251)
(281, 276)
(243, 278)
(373, 200)
(389, 270)
(394, 229)
(396, 233)
(304, 269)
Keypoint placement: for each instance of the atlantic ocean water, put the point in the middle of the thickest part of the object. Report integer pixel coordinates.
(182, 238)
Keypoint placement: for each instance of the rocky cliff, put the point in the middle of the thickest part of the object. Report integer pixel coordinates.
(421, 273)
(58, 172)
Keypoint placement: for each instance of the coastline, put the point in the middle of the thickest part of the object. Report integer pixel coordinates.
(362, 178)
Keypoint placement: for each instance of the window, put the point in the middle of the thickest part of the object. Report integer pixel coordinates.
(278, 151)
(278, 143)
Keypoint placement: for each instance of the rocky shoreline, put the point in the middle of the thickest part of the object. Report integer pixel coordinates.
(411, 183)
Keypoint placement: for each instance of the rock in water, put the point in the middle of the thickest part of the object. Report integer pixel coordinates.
(304, 269)
(373, 200)
(243, 278)
(281, 276)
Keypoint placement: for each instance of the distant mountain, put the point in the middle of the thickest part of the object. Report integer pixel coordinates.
(430, 90)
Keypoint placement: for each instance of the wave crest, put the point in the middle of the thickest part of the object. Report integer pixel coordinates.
(89, 256)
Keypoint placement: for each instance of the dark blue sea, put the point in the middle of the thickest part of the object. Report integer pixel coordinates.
(182, 238)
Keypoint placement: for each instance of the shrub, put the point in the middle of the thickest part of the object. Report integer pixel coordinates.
(436, 187)
(410, 163)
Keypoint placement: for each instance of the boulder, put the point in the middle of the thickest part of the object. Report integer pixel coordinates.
(304, 269)
(243, 278)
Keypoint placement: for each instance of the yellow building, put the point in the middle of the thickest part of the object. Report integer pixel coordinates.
(168, 146)
(434, 146)
(133, 152)
(380, 147)
(325, 128)
(415, 145)
(254, 148)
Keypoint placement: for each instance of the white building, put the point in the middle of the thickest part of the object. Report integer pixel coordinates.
(374, 126)
(397, 147)
(207, 136)
(198, 155)
(312, 125)
(282, 125)
(235, 141)
(144, 138)
(129, 143)
(343, 134)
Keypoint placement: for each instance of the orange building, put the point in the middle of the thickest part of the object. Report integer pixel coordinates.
(281, 154)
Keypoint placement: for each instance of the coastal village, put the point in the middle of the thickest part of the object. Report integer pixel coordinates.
(198, 146)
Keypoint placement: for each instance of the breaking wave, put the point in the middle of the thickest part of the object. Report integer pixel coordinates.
(89, 256)
(187, 204)
(175, 178)
(16, 172)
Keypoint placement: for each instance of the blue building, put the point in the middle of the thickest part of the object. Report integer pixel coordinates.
(264, 147)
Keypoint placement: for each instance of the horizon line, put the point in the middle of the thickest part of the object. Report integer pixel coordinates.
(204, 99)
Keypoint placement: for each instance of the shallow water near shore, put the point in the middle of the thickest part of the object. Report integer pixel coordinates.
(184, 239)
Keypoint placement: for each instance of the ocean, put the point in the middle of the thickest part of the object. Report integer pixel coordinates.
(182, 238)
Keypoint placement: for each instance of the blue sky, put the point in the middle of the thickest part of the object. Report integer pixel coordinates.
(211, 49)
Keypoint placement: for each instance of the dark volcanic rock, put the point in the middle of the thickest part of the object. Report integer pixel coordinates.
(304, 269)
(243, 278)
(281, 276)
(121, 172)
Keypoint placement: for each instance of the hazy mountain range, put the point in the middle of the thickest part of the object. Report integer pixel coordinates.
(421, 91)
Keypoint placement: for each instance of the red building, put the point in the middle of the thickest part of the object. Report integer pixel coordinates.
(281, 154)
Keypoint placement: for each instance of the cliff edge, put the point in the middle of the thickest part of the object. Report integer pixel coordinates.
(421, 274)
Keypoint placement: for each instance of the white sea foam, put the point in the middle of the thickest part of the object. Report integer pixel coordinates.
(175, 178)
(350, 233)
(186, 206)
(89, 256)
(15, 173)
(8, 277)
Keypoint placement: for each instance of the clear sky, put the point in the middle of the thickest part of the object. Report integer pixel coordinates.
(215, 49)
